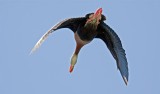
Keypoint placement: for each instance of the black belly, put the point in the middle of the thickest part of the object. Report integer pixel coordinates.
(87, 34)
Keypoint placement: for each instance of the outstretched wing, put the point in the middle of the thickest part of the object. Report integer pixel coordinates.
(113, 43)
(71, 23)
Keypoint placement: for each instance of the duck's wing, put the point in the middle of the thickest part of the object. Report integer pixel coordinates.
(71, 23)
(114, 44)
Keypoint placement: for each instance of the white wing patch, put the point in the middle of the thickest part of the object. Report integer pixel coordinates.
(41, 40)
(125, 80)
(61, 24)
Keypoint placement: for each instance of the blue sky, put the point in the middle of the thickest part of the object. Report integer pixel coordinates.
(23, 22)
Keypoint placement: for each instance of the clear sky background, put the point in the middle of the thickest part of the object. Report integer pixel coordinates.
(23, 22)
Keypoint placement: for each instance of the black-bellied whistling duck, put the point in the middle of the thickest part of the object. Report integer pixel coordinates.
(85, 30)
